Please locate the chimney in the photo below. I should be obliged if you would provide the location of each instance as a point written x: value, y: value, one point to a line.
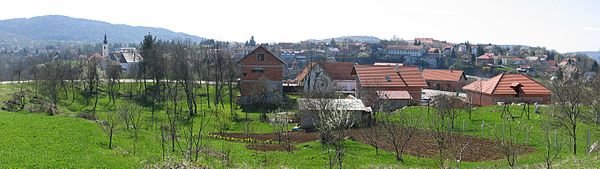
x: 397, y: 69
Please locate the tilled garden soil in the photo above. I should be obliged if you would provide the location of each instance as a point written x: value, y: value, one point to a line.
x: 422, y: 144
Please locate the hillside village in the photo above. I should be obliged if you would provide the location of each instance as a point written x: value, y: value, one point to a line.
x: 349, y: 102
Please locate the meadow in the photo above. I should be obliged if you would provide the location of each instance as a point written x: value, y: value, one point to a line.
x: 39, y: 140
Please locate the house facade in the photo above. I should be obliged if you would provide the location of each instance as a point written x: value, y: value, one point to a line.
x: 485, y: 59
x: 262, y: 74
x: 330, y: 76
x: 447, y: 80
x: 513, y: 88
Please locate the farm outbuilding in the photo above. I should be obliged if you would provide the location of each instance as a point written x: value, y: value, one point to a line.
x: 311, y: 107
x: 511, y: 88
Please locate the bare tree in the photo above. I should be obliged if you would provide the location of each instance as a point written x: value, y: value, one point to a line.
x: 568, y: 99
x: 553, y: 144
x: 113, y: 73
x: 109, y: 124
x: 332, y: 121
x: 506, y: 141
x: 399, y: 132
x: 131, y: 115
x: 371, y: 136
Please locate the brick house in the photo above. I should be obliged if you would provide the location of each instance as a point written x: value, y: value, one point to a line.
x: 262, y: 74
x: 514, y: 88
x: 448, y: 80
x: 399, y: 85
x: 485, y: 59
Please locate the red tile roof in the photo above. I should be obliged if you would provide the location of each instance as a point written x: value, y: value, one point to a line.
x: 338, y: 70
x: 387, y: 76
x: 442, y: 75
x: 517, y: 59
x: 487, y: 56
x: 501, y: 85
x: 305, y: 71
x: 394, y: 95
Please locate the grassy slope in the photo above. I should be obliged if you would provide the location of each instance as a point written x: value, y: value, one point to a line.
x: 63, y: 141
x: 41, y: 141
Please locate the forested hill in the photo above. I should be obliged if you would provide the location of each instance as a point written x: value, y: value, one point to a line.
x: 64, y: 28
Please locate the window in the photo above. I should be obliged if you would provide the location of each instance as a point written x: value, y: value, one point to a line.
x: 258, y: 70
x: 260, y: 57
x: 388, y: 78
x: 244, y: 74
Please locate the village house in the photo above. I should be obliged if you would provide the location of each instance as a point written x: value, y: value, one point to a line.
x: 406, y: 50
x: 396, y: 85
x: 309, y: 108
x: 262, y: 74
x: 329, y: 76
x: 448, y: 80
x: 512, y: 88
x: 128, y: 58
x: 486, y: 59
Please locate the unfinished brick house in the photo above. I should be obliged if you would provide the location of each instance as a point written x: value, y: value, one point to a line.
x: 447, y: 80
x: 513, y: 88
x: 262, y: 76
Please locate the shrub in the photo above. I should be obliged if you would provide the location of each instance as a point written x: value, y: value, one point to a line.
x: 87, y: 115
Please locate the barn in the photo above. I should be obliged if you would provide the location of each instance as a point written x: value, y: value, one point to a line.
x: 513, y: 88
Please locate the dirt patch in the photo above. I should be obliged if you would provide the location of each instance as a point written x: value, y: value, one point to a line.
x: 422, y: 144
x: 271, y: 147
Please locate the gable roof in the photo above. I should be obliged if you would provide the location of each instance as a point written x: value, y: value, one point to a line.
x: 442, y: 75
x: 263, y: 48
x: 305, y: 71
x: 338, y: 70
x: 501, y: 85
x: 487, y: 56
x: 388, y: 76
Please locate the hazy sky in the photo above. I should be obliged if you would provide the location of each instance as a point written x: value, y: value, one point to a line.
x: 564, y: 25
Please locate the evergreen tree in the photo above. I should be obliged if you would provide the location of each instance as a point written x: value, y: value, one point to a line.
x: 594, y: 67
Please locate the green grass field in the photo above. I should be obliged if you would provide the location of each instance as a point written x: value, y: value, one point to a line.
x: 37, y: 140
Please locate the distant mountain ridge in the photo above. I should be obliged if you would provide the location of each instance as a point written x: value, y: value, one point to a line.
x: 365, y: 39
x: 64, y: 28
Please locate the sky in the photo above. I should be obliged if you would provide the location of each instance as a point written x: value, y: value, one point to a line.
x: 564, y: 25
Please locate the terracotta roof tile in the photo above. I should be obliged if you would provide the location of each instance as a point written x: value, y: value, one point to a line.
x: 338, y: 70
x: 394, y: 95
x: 305, y: 71
x: 487, y: 56
x: 501, y: 85
x: 442, y: 75
x: 387, y: 76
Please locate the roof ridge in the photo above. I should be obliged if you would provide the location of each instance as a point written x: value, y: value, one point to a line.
x: 401, y: 78
x: 498, y: 82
